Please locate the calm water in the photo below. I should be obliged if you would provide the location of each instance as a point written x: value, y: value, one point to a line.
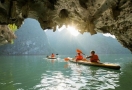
x: 39, y: 73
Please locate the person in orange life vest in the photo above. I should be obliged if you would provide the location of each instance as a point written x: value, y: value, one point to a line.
x: 79, y: 57
x: 52, y: 55
x: 94, y: 57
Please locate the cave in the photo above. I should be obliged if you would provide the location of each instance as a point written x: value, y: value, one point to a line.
x: 104, y: 16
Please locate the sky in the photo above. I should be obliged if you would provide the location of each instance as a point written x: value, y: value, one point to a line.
x: 73, y: 31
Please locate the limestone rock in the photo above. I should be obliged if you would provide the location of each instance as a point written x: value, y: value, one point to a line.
x: 106, y: 16
x: 6, y: 35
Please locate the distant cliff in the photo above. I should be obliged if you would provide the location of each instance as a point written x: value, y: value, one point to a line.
x: 65, y: 43
x: 31, y: 40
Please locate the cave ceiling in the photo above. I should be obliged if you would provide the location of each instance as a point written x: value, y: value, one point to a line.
x: 104, y: 16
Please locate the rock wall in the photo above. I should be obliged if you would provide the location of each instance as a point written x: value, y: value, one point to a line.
x: 106, y: 16
x: 6, y: 35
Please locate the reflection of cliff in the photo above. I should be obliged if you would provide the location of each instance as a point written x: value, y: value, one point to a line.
x: 6, y: 74
x: 31, y: 40
x: 65, y: 43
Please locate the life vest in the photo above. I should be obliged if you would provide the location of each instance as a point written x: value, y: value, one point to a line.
x: 52, y: 55
x: 94, y: 58
x: 79, y: 57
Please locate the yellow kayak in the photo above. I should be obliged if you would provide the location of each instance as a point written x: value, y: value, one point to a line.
x: 105, y: 65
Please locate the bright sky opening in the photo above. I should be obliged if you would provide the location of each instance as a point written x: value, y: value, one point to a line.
x: 73, y: 30
x: 62, y: 28
x: 109, y: 35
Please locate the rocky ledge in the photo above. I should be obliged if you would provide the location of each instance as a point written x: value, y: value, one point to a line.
x: 106, y: 16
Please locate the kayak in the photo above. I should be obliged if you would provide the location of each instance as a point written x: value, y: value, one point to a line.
x: 51, y: 57
x: 105, y: 65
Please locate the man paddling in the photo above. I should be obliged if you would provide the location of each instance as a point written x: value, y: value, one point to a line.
x: 93, y: 57
x: 52, y: 55
x: 79, y: 57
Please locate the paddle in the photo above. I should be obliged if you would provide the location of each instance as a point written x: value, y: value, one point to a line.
x: 79, y: 51
x: 67, y: 59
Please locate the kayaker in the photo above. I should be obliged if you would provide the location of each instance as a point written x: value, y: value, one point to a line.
x: 79, y: 57
x: 52, y: 55
x: 93, y: 57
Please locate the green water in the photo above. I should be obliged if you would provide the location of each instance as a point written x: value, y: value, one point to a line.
x: 39, y: 73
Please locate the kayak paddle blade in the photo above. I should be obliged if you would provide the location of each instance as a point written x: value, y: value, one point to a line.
x: 79, y: 51
x: 66, y: 59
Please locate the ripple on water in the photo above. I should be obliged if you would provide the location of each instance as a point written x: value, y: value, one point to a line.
x: 37, y: 74
x: 95, y: 78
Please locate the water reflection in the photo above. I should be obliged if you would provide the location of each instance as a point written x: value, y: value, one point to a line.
x: 78, y: 77
x: 125, y: 77
x: 94, y: 78
x: 38, y: 73
x: 56, y: 81
x: 52, y: 60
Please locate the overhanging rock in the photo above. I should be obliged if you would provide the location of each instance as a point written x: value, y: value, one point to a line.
x: 106, y: 16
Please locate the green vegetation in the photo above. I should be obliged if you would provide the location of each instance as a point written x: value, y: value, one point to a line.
x: 12, y: 27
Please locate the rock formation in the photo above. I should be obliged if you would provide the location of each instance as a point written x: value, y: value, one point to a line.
x: 6, y: 35
x: 106, y: 16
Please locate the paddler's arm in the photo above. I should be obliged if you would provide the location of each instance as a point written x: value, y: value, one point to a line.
x: 88, y: 56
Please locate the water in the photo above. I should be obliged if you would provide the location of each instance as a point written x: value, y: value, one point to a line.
x: 39, y: 73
